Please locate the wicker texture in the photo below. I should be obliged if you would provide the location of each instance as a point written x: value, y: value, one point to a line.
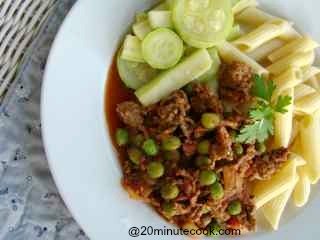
x: 19, y: 22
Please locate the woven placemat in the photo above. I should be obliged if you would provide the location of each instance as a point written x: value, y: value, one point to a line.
x: 19, y: 22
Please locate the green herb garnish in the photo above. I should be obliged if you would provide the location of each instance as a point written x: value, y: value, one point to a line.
x: 262, y: 115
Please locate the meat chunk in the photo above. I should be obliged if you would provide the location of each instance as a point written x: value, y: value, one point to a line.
x: 204, y: 100
x: 131, y: 114
x: 222, y: 148
x: 235, y: 83
x: 169, y: 113
x: 266, y: 165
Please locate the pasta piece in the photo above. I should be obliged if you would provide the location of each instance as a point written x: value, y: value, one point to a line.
x: 310, y: 145
x: 288, y: 79
x: 302, y: 90
x: 264, y: 191
x: 299, y: 160
x: 283, y: 124
x: 242, y: 5
x: 308, y: 104
x: 302, y: 189
x: 295, y: 131
x: 261, y: 35
x: 290, y: 34
x: 230, y: 53
x: 253, y: 16
x: 264, y: 50
x: 304, y: 44
x: 314, y: 83
x: 273, y: 209
x: 294, y: 60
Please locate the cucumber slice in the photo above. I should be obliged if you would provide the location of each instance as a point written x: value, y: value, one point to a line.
x: 141, y: 29
x: 213, y: 71
x: 159, y: 19
x: 162, y: 48
x: 175, y: 78
x: 134, y: 74
x: 202, y: 23
x: 141, y: 16
x: 131, y: 49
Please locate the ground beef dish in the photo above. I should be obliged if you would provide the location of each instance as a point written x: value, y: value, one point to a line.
x: 191, y: 174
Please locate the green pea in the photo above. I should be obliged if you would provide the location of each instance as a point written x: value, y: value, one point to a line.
x: 235, y: 208
x: 172, y: 155
x: 204, y: 147
x: 169, y: 191
x: 213, y: 229
x: 169, y: 209
x: 122, y: 136
x: 155, y: 170
x: 202, y: 161
x: 135, y: 155
x: 207, y: 177
x: 150, y: 147
x: 238, y: 149
x: 171, y: 143
x: 261, y: 147
x: 137, y: 140
x: 210, y: 120
x: 216, y: 190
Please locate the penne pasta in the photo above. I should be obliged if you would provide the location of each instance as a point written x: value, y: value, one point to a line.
x: 307, y: 104
x: 294, y: 60
x: 254, y: 16
x: 242, y: 5
x: 264, y: 33
x: 274, y: 209
x: 310, y: 145
x: 299, y: 160
x: 302, y: 189
x: 230, y: 53
x: 290, y: 34
x: 264, y: 191
x: 264, y: 50
x: 288, y: 79
x: 283, y: 123
x: 302, y: 90
x: 295, y: 131
x: 304, y: 44
x: 314, y: 83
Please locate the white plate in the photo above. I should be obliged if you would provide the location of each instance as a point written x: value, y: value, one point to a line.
x: 77, y: 143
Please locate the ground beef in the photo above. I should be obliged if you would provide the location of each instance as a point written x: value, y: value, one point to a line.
x: 235, y: 121
x: 131, y: 114
x: 169, y: 114
x: 266, y: 165
x: 189, y: 148
x: 222, y: 146
x: 235, y: 83
x: 204, y: 100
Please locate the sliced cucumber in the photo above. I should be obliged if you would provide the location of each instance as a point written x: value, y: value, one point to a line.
x: 141, y: 16
x: 162, y: 48
x: 159, y: 19
x: 141, y: 29
x: 131, y: 49
x: 175, y: 78
x: 202, y: 23
x: 212, y: 72
x: 134, y: 74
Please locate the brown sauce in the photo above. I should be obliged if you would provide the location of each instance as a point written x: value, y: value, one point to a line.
x: 115, y: 93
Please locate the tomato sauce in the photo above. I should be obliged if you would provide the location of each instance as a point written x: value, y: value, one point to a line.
x: 115, y: 93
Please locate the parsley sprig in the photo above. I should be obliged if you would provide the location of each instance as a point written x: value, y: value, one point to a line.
x: 262, y: 115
